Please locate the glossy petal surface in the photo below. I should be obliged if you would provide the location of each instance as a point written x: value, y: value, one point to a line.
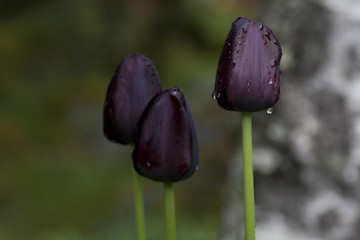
x: 134, y: 84
x: 167, y: 147
x: 248, y: 72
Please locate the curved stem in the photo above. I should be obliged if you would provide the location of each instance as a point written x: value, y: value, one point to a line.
x: 170, y: 224
x: 249, y: 201
x: 139, y: 207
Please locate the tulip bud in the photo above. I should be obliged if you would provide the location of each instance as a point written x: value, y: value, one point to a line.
x: 248, y: 72
x: 167, y: 147
x: 134, y: 84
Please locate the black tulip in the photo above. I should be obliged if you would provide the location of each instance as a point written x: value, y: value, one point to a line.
x: 134, y: 84
x: 248, y: 72
x: 167, y: 147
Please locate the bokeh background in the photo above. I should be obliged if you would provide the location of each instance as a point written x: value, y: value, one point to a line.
x: 60, y: 179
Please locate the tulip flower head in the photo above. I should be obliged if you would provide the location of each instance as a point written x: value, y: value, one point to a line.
x: 134, y: 84
x: 248, y: 72
x: 167, y: 148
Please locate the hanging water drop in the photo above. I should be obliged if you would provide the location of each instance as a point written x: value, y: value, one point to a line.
x: 214, y: 95
x: 270, y: 110
x: 148, y: 164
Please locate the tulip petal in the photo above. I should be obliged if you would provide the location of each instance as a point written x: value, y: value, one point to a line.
x: 134, y: 84
x: 248, y: 75
x: 167, y: 147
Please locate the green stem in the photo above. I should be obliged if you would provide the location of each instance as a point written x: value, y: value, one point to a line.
x: 249, y: 201
x: 139, y: 207
x: 170, y: 224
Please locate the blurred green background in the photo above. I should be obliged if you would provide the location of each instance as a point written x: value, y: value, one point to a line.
x: 60, y: 179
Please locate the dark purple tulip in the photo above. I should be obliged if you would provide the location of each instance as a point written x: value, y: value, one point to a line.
x: 167, y: 147
x: 134, y: 84
x: 247, y: 77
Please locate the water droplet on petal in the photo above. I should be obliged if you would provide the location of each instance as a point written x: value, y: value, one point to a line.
x: 267, y: 35
x: 244, y: 30
x: 228, y: 44
x: 248, y: 88
x: 273, y: 63
x: 214, y: 95
x: 148, y: 164
x: 234, y: 64
x: 270, y: 81
x: 261, y: 27
x: 270, y: 110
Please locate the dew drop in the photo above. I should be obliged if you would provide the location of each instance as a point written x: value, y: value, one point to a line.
x: 214, y: 95
x: 261, y: 27
x: 197, y: 168
x: 234, y: 64
x: 230, y: 52
x: 148, y: 164
x: 275, y: 42
x: 273, y: 63
x: 228, y: 44
x: 238, y: 50
x: 270, y: 81
x: 267, y: 35
x: 248, y: 88
x: 270, y: 110
x: 244, y: 30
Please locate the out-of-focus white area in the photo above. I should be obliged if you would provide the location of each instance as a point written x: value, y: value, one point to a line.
x: 277, y: 228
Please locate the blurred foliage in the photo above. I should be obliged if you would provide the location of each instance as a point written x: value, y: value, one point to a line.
x: 60, y: 179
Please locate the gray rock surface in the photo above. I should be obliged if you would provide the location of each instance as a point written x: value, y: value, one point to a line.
x: 307, y: 153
